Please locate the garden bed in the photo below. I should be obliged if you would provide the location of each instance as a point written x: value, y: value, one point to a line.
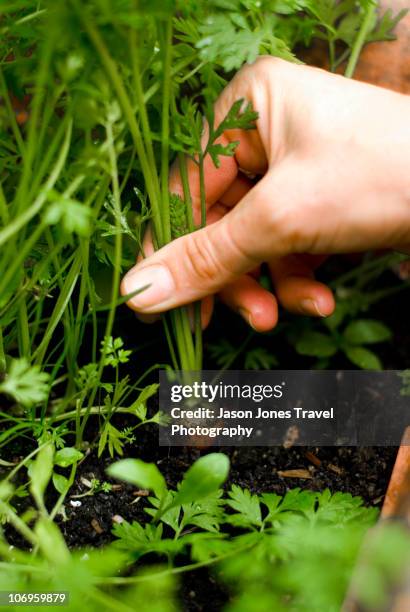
x: 88, y: 519
x: 98, y: 99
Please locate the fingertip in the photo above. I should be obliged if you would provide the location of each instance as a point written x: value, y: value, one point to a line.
x: 261, y: 317
x: 257, y: 306
x: 261, y: 313
x: 320, y: 302
x: 303, y: 295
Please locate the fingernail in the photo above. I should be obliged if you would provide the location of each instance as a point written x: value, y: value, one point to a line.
x: 245, y: 314
x: 159, y: 287
x: 310, y: 306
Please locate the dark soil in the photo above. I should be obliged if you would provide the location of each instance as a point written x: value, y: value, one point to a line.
x: 359, y: 471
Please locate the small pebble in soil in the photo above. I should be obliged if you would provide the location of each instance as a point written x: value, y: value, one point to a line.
x: 96, y: 526
x: 117, y: 518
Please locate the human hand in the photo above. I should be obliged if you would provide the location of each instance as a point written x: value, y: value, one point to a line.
x: 333, y: 155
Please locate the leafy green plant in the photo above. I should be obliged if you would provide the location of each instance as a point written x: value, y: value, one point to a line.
x: 349, y: 330
x: 267, y: 548
x: 352, y: 341
x: 112, y: 93
x: 26, y: 384
x: 225, y: 354
x: 264, y: 545
x: 93, y: 486
x: 118, y: 93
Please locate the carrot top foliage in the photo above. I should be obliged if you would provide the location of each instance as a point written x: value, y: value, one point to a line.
x: 112, y: 92
x: 98, y: 98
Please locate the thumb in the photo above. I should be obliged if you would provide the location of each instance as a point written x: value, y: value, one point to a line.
x: 203, y: 262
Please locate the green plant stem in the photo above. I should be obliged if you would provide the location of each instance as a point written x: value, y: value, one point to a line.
x: 23, y: 330
x: 155, y: 87
x: 118, y: 237
x: 166, y: 95
x: 378, y: 263
x: 191, y: 226
x: 42, y: 76
x: 12, y: 270
x: 21, y: 220
x: 63, y: 495
x: 78, y: 322
x: 113, y: 74
x: 53, y: 148
x: 49, y: 109
x: 180, y: 338
x: 60, y: 307
x: 31, y: 16
x: 183, y: 63
x: 376, y: 296
x: 193, y: 71
x: 116, y: 273
x: 128, y: 171
x: 361, y: 39
x: 29, y: 286
x: 24, y: 461
x: 343, y: 57
x: 95, y: 411
x: 202, y: 189
x: 181, y: 323
x: 2, y: 353
x: 18, y: 524
x: 332, y: 54
x: 141, y: 105
x: 186, y: 350
x: 198, y: 336
x: 100, y: 198
x: 174, y: 570
x: 4, y: 209
x: 11, y: 114
x: 108, y: 603
x: 186, y: 326
x: 182, y: 160
x: 20, y: 567
x: 170, y: 342
x: 235, y: 355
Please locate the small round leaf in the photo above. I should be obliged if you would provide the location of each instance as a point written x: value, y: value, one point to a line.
x: 67, y: 456
x: 363, y: 358
x: 316, y: 344
x: 139, y: 473
x: 366, y: 331
x: 204, y: 477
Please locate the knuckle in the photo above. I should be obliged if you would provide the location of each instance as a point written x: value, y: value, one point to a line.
x: 263, y: 61
x: 288, y: 226
x: 266, y: 64
x: 261, y: 65
x: 201, y: 259
x: 242, y: 259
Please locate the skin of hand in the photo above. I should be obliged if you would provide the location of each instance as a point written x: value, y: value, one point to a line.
x: 333, y: 157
